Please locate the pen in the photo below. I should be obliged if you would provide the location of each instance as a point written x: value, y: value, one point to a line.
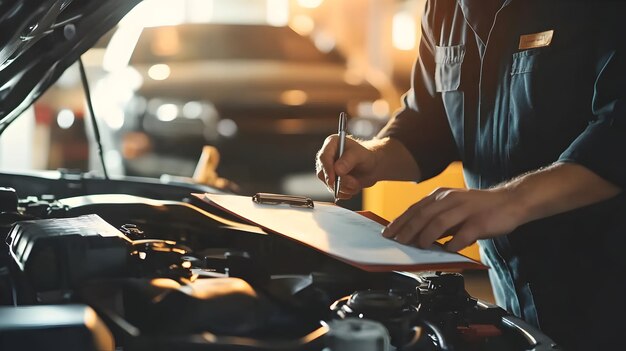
x: 342, y: 143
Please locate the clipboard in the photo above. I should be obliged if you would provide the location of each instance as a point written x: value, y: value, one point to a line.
x: 340, y: 233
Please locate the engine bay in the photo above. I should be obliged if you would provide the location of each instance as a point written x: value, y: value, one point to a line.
x: 164, y: 274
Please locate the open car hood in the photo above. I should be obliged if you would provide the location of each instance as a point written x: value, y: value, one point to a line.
x: 40, y: 39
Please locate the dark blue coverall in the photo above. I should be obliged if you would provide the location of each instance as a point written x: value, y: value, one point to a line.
x: 505, y: 108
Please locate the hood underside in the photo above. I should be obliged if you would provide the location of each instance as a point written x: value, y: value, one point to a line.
x: 40, y: 39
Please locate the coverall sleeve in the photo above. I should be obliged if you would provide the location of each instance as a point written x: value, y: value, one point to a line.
x: 421, y: 123
x: 601, y: 147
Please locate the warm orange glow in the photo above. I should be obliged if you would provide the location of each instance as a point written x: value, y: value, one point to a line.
x: 166, y: 42
x: 165, y: 283
x: 90, y: 317
x: 380, y: 108
x: 135, y: 144
x: 209, y: 337
x: 293, y: 97
x: 353, y: 77
x: 291, y: 126
x: 206, y: 288
x: 302, y: 24
x: 102, y: 335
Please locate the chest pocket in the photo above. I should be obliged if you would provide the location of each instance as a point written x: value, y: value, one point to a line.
x: 524, y: 82
x: 524, y: 61
x: 448, y: 61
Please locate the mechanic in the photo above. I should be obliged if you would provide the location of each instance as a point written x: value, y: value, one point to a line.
x: 531, y: 96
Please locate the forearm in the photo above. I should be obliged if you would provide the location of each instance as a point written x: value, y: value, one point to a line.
x: 470, y: 214
x: 393, y: 160
x: 556, y: 189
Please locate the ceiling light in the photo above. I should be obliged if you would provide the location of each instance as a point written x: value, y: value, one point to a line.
x: 277, y: 13
x: 121, y: 47
x: 65, y: 119
x: 227, y: 128
x: 324, y: 42
x: 192, y: 109
x: 156, y: 13
x: 159, y: 71
x: 403, y: 31
x: 167, y: 112
x: 200, y: 11
x: 114, y: 117
x: 310, y: 4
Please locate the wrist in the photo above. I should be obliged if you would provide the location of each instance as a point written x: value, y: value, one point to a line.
x: 377, y: 156
x: 392, y: 160
x: 517, y: 203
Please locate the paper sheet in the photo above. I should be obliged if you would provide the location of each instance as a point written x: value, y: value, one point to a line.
x: 337, y: 231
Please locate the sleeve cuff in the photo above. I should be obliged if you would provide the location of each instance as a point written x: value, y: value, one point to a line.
x: 429, y: 140
x: 602, y: 149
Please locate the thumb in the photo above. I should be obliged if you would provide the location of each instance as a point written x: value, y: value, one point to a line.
x: 353, y: 156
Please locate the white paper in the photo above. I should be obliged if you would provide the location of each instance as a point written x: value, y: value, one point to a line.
x: 335, y: 230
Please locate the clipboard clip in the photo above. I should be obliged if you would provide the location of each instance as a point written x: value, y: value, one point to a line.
x: 277, y: 199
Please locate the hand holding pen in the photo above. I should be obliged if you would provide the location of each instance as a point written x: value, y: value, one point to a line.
x: 344, y: 164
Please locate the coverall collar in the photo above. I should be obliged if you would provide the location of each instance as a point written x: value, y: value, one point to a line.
x: 480, y: 15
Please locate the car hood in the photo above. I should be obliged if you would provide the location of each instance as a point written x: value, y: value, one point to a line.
x: 40, y: 39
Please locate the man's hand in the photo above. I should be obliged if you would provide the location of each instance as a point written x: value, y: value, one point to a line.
x: 356, y: 167
x: 468, y: 215
x: 363, y: 163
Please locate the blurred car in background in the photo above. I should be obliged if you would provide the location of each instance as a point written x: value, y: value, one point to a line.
x: 265, y: 96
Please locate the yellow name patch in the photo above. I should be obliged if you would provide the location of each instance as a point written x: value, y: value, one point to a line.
x: 536, y: 40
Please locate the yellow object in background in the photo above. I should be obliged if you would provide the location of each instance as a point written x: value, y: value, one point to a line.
x: 389, y: 199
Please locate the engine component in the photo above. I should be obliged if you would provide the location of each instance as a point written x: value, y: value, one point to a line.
x: 57, y: 254
x: 444, y: 292
x: 45, y: 206
x: 228, y: 306
x: 355, y: 334
x: 160, y: 258
x: 133, y: 232
x: 8, y: 200
x: 444, y: 300
x: 392, y: 309
x: 54, y: 328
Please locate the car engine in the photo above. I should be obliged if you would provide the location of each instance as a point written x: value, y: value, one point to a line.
x: 107, y: 271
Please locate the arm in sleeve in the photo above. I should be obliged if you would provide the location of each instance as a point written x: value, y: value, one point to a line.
x: 601, y: 147
x: 421, y: 124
